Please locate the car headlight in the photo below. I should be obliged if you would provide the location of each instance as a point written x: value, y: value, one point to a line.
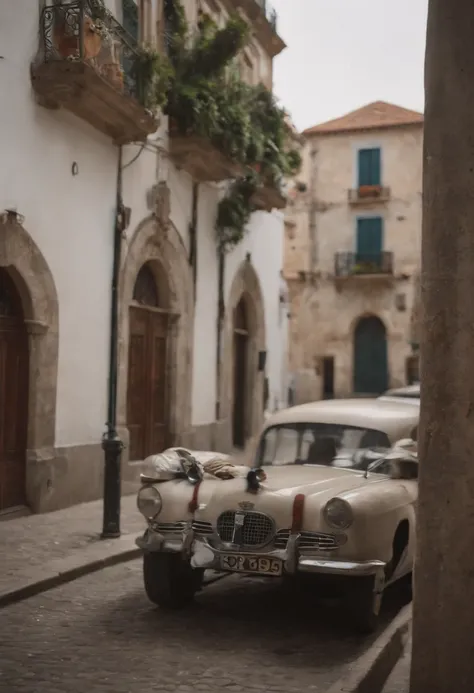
x: 338, y: 514
x: 149, y: 502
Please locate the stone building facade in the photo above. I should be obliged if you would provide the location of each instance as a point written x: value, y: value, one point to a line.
x: 352, y: 252
x: 65, y: 144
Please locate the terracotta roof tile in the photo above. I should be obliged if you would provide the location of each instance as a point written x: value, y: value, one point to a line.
x: 374, y: 116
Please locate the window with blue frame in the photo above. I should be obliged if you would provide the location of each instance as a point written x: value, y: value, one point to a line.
x: 369, y: 172
x: 369, y: 243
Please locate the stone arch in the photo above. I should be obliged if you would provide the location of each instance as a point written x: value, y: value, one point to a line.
x: 164, y: 253
x: 245, y: 286
x: 28, y: 268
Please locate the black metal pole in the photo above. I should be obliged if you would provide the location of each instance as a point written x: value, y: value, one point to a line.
x: 220, y: 319
x: 111, y: 443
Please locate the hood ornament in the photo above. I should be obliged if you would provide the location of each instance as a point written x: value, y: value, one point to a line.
x: 246, y: 505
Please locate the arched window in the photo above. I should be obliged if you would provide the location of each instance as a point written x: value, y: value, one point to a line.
x: 145, y: 291
x: 240, y: 316
x: 10, y: 302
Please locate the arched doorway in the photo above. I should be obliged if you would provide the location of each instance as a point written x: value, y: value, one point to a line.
x: 147, y: 392
x: 14, y: 371
x: 241, y: 340
x: 370, y: 356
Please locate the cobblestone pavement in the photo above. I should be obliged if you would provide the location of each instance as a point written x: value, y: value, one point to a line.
x: 100, y: 634
x: 28, y: 543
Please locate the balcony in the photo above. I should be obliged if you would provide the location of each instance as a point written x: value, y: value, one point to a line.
x: 199, y: 158
x: 368, y: 195
x: 85, y: 65
x: 363, y: 265
x: 269, y: 196
x: 265, y: 21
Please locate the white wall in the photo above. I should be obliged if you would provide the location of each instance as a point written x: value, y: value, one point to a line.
x: 264, y: 242
x: 71, y: 219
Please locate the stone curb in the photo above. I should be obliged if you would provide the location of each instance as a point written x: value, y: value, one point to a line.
x: 369, y: 673
x: 96, y: 557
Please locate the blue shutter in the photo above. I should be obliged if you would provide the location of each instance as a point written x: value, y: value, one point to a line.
x: 369, y: 167
x: 369, y: 240
x: 375, y: 167
x: 364, y: 166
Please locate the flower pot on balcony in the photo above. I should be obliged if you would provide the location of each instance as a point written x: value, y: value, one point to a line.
x: 92, y: 40
x: 67, y: 42
x: 369, y: 190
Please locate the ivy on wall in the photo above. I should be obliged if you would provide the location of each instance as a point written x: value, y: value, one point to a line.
x: 200, y: 90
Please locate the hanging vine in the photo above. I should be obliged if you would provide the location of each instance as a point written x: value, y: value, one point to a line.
x: 206, y: 97
x: 233, y: 212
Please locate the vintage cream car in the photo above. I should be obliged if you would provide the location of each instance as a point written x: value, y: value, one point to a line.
x: 326, y: 499
x: 409, y: 393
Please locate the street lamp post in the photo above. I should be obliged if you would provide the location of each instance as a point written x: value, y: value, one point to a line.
x: 111, y: 442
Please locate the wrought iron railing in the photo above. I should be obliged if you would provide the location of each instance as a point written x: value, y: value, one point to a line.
x: 350, y: 264
x: 75, y: 31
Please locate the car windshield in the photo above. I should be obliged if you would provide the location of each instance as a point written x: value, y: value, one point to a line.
x: 333, y: 445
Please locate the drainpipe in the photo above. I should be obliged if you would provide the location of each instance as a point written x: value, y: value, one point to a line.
x: 193, y: 251
x: 220, y: 321
x: 111, y: 442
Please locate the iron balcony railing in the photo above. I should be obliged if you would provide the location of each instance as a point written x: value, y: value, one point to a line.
x: 81, y: 31
x: 360, y: 264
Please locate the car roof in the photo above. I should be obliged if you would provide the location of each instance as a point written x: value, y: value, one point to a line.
x: 412, y: 391
x: 396, y: 418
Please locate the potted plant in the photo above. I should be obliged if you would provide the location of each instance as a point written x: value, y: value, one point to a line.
x: 66, y: 38
x: 369, y: 190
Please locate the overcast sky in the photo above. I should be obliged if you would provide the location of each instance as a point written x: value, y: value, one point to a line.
x: 343, y: 54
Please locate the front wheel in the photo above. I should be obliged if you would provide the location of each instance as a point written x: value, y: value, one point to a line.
x: 364, y: 604
x: 169, y: 580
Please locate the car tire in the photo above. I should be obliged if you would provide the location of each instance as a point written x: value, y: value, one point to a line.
x: 364, y: 605
x: 169, y: 580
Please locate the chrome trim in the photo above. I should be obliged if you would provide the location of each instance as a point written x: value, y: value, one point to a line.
x: 293, y: 561
x: 244, y: 514
x: 317, y: 565
x: 203, y: 528
x: 311, y: 541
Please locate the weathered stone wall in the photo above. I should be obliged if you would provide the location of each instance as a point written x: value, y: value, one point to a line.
x: 321, y: 223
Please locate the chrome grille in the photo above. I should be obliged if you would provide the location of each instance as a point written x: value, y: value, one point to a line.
x: 316, y: 541
x: 169, y: 527
x: 257, y: 529
x: 203, y: 528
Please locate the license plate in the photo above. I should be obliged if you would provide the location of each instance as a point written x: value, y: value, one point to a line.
x: 252, y: 564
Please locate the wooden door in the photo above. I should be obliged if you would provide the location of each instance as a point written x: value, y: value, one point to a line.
x: 147, y: 397
x: 14, y: 371
x: 370, y: 357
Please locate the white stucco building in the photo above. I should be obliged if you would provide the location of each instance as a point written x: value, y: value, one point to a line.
x: 352, y: 253
x: 186, y: 375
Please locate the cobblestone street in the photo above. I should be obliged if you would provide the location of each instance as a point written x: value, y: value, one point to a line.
x: 100, y: 634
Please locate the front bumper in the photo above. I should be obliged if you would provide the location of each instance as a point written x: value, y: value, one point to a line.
x: 203, y: 555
